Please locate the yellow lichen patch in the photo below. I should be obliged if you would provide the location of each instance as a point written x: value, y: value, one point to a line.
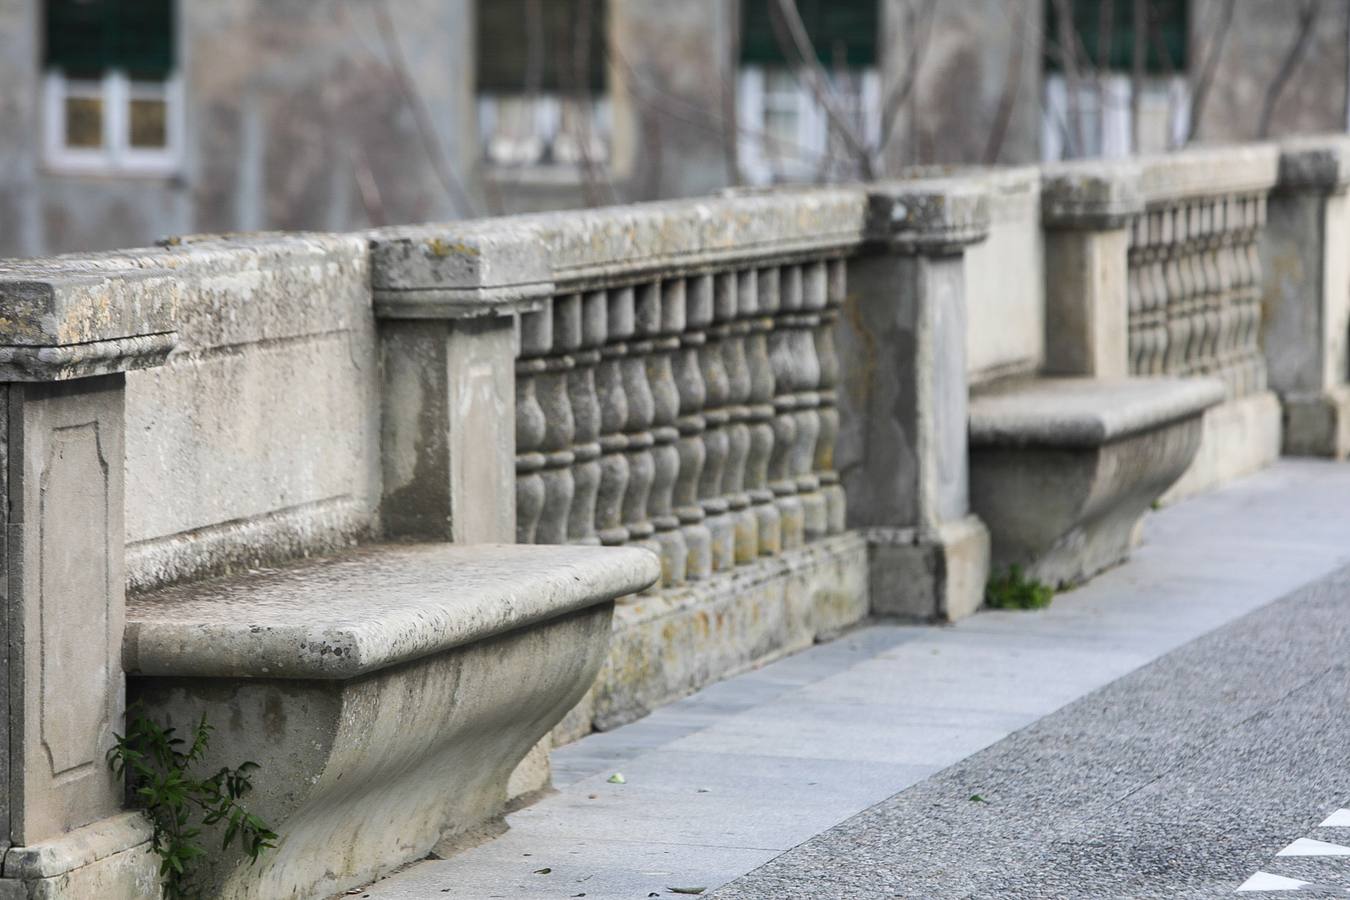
x: 441, y: 248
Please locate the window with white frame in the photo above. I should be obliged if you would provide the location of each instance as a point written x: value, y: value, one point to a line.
x: 786, y: 133
x: 542, y: 94
x: 1089, y: 107
x: 112, y: 97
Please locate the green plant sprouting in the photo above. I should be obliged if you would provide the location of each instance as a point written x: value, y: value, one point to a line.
x: 1014, y: 590
x: 160, y: 779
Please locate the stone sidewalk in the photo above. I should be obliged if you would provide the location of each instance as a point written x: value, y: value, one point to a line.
x: 724, y: 781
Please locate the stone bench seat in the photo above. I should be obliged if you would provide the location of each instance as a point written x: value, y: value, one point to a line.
x: 387, y: 693
x: 1063, y: 469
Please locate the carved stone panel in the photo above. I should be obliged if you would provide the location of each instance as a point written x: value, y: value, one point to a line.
x: 66, y: 602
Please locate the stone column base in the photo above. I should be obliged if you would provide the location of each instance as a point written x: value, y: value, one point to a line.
x: 1241, y: 437
x: 110, y: 859
x: 919, y: 578
x: 1318, y: 424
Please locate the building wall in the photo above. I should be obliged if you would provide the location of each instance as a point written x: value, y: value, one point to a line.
x: 296, y: 119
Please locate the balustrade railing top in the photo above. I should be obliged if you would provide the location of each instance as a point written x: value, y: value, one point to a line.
x: 677, y: 388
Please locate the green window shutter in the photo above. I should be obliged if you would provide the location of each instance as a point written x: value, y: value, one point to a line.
x: 843, y: 32
x: 85, y: 38
x: 504, y: 34
x: 144, y: 38
x: 1168, y: 20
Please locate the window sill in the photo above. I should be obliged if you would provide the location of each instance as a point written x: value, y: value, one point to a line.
x: 173, y: 177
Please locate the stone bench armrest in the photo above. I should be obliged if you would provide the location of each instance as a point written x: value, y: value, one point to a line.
x: 1083, y: 412
x: 372, y: 608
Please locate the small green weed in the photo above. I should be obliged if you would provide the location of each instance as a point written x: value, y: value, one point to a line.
x: 1015, y: 591
x: 159, y: 777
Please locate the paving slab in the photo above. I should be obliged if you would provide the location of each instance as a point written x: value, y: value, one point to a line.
x: 730, y: 778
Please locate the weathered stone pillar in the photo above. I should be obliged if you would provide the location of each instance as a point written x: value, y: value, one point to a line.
x: 68, y: 335
x: 902, y: 401
x: 1086, y: 212
x: 446, y: 309
x: 1306, y: 295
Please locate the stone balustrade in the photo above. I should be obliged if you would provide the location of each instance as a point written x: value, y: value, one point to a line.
x: 693, y: 414
x: 1195, y: 268
x: 1153, y: 268
x: 770, y: 391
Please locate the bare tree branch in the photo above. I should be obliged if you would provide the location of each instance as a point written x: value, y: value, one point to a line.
x: 431, y: 140
x: 1138, y: 58
x: 1307, y: 18
x: 818, y: 81
x: 904, y: 89
x: 730, y: 145
x: 1068, y: 41
x: 1205, y: 73
x: 1106, y: 20
x: 1012, y: 82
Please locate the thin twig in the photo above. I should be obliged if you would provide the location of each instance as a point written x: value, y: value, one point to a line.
x: 818, y: 81
x: 1008, y: 100
x: 1068, y: 40
x: 431, y: 141
x: 1205, y: 77
x: 1307, y: 18
x: 901, y: 93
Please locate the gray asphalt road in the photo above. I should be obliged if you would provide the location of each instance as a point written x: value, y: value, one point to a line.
x: 1186, y: 778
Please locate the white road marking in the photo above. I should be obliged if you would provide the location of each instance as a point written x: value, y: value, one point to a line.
x: 1339, y: 819
x: 1264, y: 881
x: 1310, y: 847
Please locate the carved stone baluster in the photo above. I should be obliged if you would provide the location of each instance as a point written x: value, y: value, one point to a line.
x: 1254, y: 217
x: 666, y: 409
x: 1219, y: 318
x: 762, y: 435
x: 1137, y: 318
x: 1179, y: 292
x: 1228, y: 284
x: 534, y: 340
x: 815, y: 281
x: 641, y: 412
x: 613, y: 417
x: 716, y: 442
x: 691, y: 425
x: 782, y: 356
x: 1236, y: 238
x: 559, y: 427
x: 739, y: 299
x: 581, y: 388
x: 835, y: 505
x: 1168, y: 304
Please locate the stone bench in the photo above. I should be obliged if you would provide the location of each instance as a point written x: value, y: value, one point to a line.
x: 387, y: 694
x: 1063, y: 469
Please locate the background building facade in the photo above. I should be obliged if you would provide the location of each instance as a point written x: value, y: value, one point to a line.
x: 124, y: 122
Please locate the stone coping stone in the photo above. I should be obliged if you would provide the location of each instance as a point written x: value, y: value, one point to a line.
x: 1319, y: 162
x: 1209, y: 171
x: 86, y: 298
x: 345, y: 616
x: 1083, y: 412
x: 593, y: 248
